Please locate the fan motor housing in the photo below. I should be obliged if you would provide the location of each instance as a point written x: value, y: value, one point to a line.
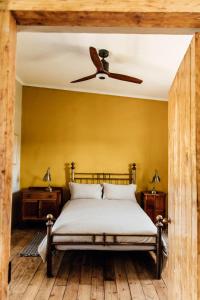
x: 103, y: 53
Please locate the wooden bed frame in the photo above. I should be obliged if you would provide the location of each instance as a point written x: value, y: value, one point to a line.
x: 122, y: 178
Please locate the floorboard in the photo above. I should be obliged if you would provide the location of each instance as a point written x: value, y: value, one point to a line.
x: 84, y: 275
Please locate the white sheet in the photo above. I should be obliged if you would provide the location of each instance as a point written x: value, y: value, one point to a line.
x: 106, y: 216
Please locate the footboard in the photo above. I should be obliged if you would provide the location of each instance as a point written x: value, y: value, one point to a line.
x: 104, y: 239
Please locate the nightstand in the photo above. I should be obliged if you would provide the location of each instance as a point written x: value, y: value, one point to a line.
x: 38, y: 202
x: 154, y: 204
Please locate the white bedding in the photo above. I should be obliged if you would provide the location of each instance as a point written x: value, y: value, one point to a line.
x: 106, y: 216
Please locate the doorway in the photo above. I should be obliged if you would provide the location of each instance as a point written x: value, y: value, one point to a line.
x: 192, y: 169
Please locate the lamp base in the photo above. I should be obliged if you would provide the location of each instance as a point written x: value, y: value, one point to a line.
x: 49, y: 189
x: 153, y: 191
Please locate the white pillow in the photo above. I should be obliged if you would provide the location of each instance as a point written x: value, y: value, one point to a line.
x: 119, y: 192
x: 85, y: 191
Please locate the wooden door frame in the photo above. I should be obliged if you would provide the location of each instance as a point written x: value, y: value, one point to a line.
x: 127, y: 14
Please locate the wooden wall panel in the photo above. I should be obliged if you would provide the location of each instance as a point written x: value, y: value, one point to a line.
x: 184, y: 162
x: 196, y: 107
x: 7, y: 88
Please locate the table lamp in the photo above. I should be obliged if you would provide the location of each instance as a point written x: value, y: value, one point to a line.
x: 47, y: 178
x: 155, y: 180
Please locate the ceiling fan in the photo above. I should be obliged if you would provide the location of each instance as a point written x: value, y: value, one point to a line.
x: 102, y: 67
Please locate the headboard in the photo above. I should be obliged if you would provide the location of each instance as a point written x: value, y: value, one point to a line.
x: 116, y: 178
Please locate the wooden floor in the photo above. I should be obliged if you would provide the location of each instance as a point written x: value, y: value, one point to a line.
x: 81, y: 275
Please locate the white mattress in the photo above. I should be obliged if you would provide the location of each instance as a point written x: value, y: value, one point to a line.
x: 102, y: 216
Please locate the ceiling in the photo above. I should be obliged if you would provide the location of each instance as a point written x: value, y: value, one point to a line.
x: 52, y: 60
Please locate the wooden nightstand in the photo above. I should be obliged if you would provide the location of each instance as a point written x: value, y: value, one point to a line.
x: 38, y: 202
x: 154, y: 204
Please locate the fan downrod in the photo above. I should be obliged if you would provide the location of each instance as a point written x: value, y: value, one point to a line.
x: 103, y: 53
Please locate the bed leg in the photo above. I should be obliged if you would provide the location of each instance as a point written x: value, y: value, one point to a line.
x: 159, y: 226
x: 49, y: 245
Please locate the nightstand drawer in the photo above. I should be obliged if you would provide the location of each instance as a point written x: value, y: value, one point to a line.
x: 40, y: 196
x: 149, y: 197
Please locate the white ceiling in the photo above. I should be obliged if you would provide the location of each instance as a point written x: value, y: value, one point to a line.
x: 54, y: 59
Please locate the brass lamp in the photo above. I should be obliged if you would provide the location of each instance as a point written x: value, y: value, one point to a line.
x: 155, y: 180
x: 47, y: 178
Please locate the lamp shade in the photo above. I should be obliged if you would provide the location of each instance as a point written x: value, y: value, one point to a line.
x: 47, y: 176
x: 156, y: 177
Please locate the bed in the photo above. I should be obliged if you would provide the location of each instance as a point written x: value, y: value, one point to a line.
x: 94, y: 223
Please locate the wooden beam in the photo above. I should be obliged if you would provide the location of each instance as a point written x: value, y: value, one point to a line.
x: 141, y: 6
x: 7, y: 97
x: 105, y: 13
x: 108, y: 19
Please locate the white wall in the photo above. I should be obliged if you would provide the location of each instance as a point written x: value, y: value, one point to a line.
x: 17, y: 138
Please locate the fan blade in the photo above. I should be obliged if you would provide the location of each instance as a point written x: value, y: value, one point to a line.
x: 84, y: 78
x: 95, y: 59
x: 124, y: 78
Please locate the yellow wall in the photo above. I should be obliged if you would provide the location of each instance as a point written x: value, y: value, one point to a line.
x: 98, y: 132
